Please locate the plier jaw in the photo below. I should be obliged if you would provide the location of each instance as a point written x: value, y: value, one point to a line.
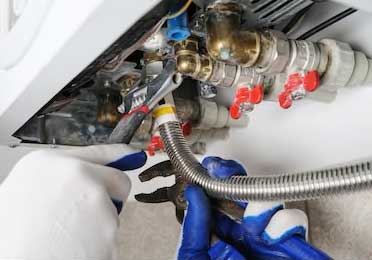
x: 174, y: 193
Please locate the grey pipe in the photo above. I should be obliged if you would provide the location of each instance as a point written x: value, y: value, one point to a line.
x: 285, y: 187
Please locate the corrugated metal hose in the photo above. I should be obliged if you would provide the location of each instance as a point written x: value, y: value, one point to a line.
x: 284, y: 187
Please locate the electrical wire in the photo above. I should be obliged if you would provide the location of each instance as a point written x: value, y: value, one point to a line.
x: 114, y: 64
x: 327, y: 23
x: 118, y: 60
x: 181, y: 10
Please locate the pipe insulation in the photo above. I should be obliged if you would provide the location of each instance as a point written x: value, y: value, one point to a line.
x: 284, y: 187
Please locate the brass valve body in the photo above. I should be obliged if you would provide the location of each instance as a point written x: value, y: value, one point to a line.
x: 226, y: 41
x: 190, y: 62
x: 204, y: 68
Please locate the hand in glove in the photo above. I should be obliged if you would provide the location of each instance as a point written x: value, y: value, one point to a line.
x: 65, y: 204
x: 267, y: 231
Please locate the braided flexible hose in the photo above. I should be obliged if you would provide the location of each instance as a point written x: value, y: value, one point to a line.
x: 285, y: 187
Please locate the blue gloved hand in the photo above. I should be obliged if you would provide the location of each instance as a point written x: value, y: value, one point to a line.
x: 267, y: 230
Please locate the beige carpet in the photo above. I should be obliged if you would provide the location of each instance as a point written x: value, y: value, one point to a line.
x: 340, y: 226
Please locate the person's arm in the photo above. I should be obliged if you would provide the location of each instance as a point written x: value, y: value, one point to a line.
x: 65, y: 204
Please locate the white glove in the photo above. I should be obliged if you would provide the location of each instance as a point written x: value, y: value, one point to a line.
x: 59, y: 204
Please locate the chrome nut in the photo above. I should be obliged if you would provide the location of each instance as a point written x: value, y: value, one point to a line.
x: 249, y: 77
x: 305, y: 56
x: 207, y: 91
x: 279, y: 56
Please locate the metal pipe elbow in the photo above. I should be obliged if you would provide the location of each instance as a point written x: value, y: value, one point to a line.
x: 226, y: 41
x: 190, y: 62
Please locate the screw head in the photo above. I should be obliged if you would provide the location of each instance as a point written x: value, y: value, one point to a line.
x: 121, y: 109
x: 91, y: 129
x: 107, y: 84
x: 225, y: 53
x: 208, y: 91
x: 298, y: 94
x: 246, y: 107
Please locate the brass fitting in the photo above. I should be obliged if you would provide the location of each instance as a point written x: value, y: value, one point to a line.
x: 153, y: 65
x: 127, y: 82
x: 205, y: 69
x: 149, y: 57
x: 226, y: 41
x: 190, y: 62
x: 108, y: 101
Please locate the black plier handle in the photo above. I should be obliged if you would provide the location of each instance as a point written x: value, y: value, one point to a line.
x: 175, y: 193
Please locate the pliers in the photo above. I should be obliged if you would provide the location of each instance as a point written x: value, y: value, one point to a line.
x: 175, y: 193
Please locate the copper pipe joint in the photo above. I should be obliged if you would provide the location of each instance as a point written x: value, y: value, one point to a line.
x: 190, y: 62
x: 226, y: 41
x: 149, y: 57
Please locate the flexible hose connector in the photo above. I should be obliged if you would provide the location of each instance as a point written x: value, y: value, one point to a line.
x: 285, y: 187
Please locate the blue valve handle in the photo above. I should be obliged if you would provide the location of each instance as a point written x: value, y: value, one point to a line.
x: 178, y: 27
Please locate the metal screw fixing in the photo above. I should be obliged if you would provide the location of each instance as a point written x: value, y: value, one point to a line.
x: 225, y: 53
x: 207, y: 91
x: 298, y: 94
x: 246, y: 107
x: 121, y: 109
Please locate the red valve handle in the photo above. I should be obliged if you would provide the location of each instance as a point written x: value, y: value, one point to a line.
x: 293, y: 83
x: 155, y: 144
x: 310, y: 82
x: 235, y: 111
x: 285, y: 100
x: 246, y: 95
x: 186, y: 128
